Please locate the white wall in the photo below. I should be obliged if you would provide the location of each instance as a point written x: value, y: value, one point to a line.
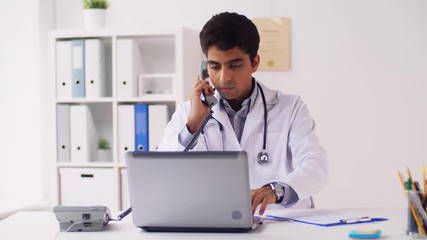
x: 22, y: 69
x: 20, y: 125
x: 359, y: 65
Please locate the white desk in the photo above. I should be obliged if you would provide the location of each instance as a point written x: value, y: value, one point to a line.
x: 43, y: 225
x: 10, y: 206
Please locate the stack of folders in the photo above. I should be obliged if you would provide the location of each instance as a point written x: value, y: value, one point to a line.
x: 76, y: 134
x: 417, y: 203
x: 80, y: 68
x: 140, y: 127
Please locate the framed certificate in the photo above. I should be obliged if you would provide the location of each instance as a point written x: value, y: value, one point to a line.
x: 274, y: 48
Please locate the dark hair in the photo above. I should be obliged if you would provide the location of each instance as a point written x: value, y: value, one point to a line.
x: 229, y: 30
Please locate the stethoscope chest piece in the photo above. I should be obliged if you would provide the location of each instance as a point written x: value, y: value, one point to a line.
x: 263, y: 157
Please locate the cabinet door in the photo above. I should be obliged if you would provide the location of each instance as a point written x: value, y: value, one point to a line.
x: 87, y: 186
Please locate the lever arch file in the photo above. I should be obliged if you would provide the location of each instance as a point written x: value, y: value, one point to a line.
x: 78, y: 68
x: 63, y: 69
x: 141, y: 127
x: 95, y: 68
x: 128, y: 67
x: 126, y: 130
x: 157, y: 121
x: 63, y: 132
x: 83, y: 134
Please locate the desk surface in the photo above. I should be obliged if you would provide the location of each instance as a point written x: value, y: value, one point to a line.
x: 43, y: 225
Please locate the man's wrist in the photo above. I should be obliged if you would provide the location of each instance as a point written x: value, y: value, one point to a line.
x: 278, y: 190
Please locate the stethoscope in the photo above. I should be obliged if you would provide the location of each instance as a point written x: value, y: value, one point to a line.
x: 263, y: 157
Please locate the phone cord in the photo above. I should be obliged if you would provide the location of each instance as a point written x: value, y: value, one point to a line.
x: 197, y: 133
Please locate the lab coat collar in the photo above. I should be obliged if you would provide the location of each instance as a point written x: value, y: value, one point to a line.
x: 270, y: 95
x: 255, y: 119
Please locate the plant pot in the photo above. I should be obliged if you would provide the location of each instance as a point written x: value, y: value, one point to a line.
x: 94, y: 18
x: 104, y: 155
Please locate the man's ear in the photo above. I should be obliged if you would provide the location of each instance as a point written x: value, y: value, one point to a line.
x: 255, y: 63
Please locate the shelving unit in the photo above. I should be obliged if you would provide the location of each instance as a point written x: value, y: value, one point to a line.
x: 166, y: 64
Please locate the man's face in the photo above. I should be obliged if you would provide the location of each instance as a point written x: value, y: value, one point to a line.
x: 231, y: 72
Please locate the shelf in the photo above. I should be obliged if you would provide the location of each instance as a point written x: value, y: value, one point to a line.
x: 85, y: 100
x: 86, y: 165
x: 149, y: 98
x: 104, y: 33
x: 157, y: 75
x: 144, y: 65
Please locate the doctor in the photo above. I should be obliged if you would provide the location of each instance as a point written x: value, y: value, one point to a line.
x: 287, y: 164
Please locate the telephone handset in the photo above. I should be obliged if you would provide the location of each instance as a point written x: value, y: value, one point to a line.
x: 209, y: 100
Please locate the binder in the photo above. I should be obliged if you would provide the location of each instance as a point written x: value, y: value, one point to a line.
x: 141, y: 127
x: 129, y: 65
x: 63, y: 69
x: 157, y: 120
x: 63, y: 132
x: 95, y: 79
x: 78, y: 68
x: 124, y: 189
x: 126, y: 130
x: 83, y: 134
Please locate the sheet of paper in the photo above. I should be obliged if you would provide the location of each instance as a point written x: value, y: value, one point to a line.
x: 319, y: 216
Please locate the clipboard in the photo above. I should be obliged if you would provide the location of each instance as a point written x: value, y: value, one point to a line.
x: 325, y: 219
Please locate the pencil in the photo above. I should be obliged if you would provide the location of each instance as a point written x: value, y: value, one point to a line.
x: 411, y: 206
x: 401, y: 179
x: 423, y: 170
x: 409, y: 173
x: 417, y: 220
x: 410, y: 177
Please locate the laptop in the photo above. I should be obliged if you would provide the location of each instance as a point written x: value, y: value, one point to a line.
x: 190, y: 191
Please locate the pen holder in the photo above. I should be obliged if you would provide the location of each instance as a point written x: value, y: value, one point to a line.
x: 415, y: 226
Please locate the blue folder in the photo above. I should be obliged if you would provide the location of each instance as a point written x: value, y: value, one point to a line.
x: 353, y: 220
x: 141, y: 127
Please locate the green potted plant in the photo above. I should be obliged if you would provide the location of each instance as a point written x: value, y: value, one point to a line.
x: 94, y: 13
x: 104, y: 151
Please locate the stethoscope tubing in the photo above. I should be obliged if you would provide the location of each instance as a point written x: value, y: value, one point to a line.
x: 264, y: 143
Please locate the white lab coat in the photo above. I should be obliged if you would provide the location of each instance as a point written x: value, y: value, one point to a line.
x: 296, y: 156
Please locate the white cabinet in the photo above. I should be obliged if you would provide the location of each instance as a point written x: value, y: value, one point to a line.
x: 87, y: 186
x: 96, y: 78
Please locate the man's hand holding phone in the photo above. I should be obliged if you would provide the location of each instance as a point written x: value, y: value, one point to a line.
x: 202, y: 99
x: 199, y: 110
x: 208, y: 99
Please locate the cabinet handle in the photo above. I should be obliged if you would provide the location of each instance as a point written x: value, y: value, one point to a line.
x: 63, y: 83
x: 92, y: 81
x: 78, y: 148
x: 126, y: 148
x: 78, y: 82
x: 63, y: 146
x: 86, y: 175
x: 124, y: 82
